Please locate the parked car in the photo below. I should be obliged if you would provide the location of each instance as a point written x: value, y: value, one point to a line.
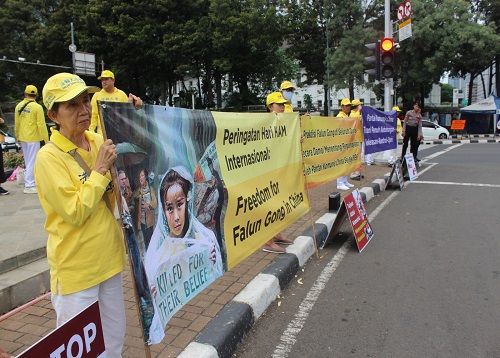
x: 10, y: 144
x: 432, y: 131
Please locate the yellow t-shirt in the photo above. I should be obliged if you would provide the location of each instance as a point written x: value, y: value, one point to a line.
x: 85, y: 245
x: 342, y: 115
x: 288, y: 107
x: 29, y: 125
x: 116, y: 96
x: 355, y: 113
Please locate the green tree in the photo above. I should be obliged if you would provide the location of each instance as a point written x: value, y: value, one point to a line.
x: 446, y: 93
x: 20, y: 21
x: 490, y: 10
x: 246, y: 38
x: 348, y: 26
x: 445, y: 38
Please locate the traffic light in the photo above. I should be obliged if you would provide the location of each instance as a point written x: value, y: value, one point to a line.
x: 375, y: 59
x: 387, y: 58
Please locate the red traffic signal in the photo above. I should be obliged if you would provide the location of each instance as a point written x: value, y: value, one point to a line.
x: 387, y: 44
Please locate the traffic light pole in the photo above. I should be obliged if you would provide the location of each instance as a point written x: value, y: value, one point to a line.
x: 388, y: 83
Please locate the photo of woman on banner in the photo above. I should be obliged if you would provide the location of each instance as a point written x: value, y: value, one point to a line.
x: 135, y: 252
x: 209, y: 210
x: 183, y: 256
x: 146, y: 207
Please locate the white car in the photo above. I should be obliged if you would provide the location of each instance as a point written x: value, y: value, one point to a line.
x: 432, y: 131
x: 10, y: 144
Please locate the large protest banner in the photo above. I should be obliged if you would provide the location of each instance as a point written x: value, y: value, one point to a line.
x: 331, y: 148
x: 200, y: 192
x: 379, y: 129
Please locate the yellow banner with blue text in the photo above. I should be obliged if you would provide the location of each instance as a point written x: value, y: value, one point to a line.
x: 261, y: 163
x: 331, y: 148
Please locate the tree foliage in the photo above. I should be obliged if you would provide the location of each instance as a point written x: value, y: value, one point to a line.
x: 445, y: 38
x: 247, y: 46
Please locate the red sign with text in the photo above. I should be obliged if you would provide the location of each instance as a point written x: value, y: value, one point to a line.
x: 358, y: 217
x: 80, y: 337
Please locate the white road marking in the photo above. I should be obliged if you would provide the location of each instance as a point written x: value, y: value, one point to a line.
x: 453, y: 183
x: 437, y: 154
x: 289, y: 336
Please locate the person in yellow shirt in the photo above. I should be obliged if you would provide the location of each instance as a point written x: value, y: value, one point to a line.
x: 399, y: 126
x: 345, y: 109
x: 111, y: 94
x: 30, y: 129
x: 356, y: 106
x: 286, y: 90
x: 393, y: 156
x: 276, y: 103
x: 85, y: 247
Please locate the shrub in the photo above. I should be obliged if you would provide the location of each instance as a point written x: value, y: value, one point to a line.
x: 13, y: 160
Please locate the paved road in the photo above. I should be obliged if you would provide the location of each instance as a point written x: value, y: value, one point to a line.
x: 428, y: 285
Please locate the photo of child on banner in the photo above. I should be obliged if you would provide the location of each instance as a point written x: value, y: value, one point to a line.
x: 183, y: 256
x: 358, y: 218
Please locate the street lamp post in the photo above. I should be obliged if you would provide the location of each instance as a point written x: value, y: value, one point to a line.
x: 327, y: 70
x: 193, y: 90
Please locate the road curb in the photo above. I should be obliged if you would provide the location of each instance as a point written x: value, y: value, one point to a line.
x: 220, y: 338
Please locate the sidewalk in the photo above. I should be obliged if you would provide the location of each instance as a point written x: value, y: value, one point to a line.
x: 22, y: 236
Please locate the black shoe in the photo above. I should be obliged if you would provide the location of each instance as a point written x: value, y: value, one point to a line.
x: 356, y: 178
x: 3, y: 191
x: 418, y: 160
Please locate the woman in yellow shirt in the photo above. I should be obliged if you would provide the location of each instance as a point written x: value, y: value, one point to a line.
x: 85, y: 247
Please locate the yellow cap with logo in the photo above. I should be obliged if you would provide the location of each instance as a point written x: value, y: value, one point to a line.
x: 106, y: 74
x: 345, y: 102
x: 356, y: 102
x: 396, y: 108
x: 64, y: 87
x: 275, y: 97
x: 286, y: 85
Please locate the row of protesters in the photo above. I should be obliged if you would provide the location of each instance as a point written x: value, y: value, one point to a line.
x: 2, y: 173
x: 111, y: 94
x: 85, y: 247
x: 30, y: 128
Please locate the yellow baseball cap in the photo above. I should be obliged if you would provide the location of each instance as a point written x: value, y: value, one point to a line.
x: 106, y: 74
x: 345, y: 102
x: 275, y: 97
x: 396, y: 108
x: 356, y: 102
x: 30, y: 89
x: 287, y: 85
x: 64, y: 87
